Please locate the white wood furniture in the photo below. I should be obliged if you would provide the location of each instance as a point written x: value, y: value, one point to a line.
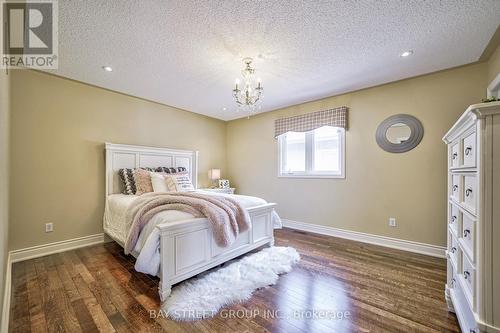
x: 220, y: 190
x: 187, y: 247
x: 473, y: 283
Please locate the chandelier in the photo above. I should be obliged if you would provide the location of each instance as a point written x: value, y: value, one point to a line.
x: 248, y: 97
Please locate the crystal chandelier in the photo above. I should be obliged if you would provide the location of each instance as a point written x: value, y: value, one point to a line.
x: 248, y: 98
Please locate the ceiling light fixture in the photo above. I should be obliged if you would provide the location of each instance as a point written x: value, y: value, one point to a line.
x: 406, y: 53
x: 249, y: 96
x: 107, y: 68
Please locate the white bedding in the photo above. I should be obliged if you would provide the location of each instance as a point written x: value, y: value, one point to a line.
x: 147, y: 247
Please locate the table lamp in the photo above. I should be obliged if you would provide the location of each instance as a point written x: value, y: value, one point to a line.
x: 214, y: 175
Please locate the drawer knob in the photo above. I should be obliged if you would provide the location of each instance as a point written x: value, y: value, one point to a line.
x: 455, y: 188
x: 468, y: 150
x: 453, y: 281
x: 454, y: 156
x: 466, y: 232
x: 453, y: 218
x: 453, y: 249
x: 466, y: 275
x: 468, y: 192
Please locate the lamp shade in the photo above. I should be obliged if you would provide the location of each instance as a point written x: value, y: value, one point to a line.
x: 214, y: 174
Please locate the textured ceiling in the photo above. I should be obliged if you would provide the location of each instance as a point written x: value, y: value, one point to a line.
x: 188, y: 53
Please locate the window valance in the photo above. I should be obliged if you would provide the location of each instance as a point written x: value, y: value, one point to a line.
x: 307, y: 122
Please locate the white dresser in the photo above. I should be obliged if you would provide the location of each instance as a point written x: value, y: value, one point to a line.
x: 473, y: 284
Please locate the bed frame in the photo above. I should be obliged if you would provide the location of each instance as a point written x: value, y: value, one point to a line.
x: 187, y: 247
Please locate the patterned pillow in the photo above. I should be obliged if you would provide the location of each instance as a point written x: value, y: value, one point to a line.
x: 128, y: 181
x: 179, y: 182
x: 142, y: 181
x: 169, y: 169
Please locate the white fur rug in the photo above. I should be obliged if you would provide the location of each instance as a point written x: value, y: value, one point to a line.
x: 204, y: 296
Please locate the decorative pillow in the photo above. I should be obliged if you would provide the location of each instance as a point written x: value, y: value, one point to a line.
x: 127, y: 178
x: 128, y: 181
x: 158, y: 182
x: 169, y: 169
x: 142, y: 180
x: 179, y: 182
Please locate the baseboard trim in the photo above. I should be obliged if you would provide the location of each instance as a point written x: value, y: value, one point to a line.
x: 51, y: 248
x: 395, y: 243
x: 4, y: 324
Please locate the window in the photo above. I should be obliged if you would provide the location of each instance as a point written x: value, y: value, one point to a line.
x: 316, y: 154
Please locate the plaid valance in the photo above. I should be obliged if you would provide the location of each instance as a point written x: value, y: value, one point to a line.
x: 307, y: 122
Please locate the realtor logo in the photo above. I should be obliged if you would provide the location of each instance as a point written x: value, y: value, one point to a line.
x: 29, y: 34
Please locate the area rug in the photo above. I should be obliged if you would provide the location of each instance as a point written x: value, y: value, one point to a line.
x: 204, y: 296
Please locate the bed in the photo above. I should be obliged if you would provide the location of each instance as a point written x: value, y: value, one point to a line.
x: 187, y: 247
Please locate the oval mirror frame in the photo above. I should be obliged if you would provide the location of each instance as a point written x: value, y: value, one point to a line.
x: 417, y: 133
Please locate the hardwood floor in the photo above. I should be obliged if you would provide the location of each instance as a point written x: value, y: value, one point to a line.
x: 376, y: 290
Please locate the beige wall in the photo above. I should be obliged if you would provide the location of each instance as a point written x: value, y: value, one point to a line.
x: 59, y: 127
x: 4, y: 178
x: 58, y: 131
x: 410, y: 187
x: 494, y: 65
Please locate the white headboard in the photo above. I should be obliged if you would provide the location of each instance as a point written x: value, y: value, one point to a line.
x: 126, y: 156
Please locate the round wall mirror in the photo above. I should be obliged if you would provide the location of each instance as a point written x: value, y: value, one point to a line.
x: 399, y: 133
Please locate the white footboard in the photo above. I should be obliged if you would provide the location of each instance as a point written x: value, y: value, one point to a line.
x: 187, y: 248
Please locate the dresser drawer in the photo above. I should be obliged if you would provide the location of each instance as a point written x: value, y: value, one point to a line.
x: 468, y: 279
x: 463, y: 309
x: 452, y: 276
x: 454, y: 155
x: 469, y: 150
x: 468, y: 235
x: 469, y: 192
x: 454, y: 252
x: 456, y: 187
x: 454, y: 219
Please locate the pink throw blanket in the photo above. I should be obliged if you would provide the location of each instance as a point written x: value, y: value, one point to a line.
x: 227, y: 217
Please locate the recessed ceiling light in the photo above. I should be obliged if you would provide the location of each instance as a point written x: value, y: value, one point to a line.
x: 107, y: 68
x: 224, y: 109
x: 406, y: 53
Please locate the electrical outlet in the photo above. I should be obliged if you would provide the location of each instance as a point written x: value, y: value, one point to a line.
x: 49, y: 227
x: 392, y: 222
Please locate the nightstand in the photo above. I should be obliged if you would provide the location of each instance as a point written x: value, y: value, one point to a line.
x: 220, y: 190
